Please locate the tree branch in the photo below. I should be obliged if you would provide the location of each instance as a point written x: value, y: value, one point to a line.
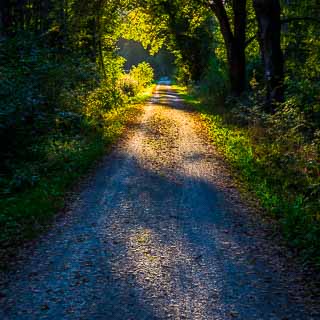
x: 219, y: 10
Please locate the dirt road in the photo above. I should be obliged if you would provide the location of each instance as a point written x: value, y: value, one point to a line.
x: 159, y: 232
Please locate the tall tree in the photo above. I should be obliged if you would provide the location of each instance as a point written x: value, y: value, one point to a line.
x: 268, y: 16
x: 235, y: 40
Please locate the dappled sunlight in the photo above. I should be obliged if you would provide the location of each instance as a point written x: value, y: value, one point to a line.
x: 174, y: 239
x: 162, y: 140
x: 168, y: 274
x: 143, y: 145
x: 158, y: 234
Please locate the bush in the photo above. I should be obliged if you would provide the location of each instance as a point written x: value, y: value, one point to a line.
x: 39, y: 168
x: 99, y: 101
x: 278, y: 159
x: 213, y: 84
x: 137, y: 80
x: 129, y: 86
x: 35, y: 92
x: 143, y: 74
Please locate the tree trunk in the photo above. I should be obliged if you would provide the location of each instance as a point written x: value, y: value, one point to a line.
x: 234, y: 41
x: 268, y: 16
x: 237, y: 68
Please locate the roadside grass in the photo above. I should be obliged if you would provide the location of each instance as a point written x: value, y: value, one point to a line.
x: 63, y: 158
x: 262, y: 168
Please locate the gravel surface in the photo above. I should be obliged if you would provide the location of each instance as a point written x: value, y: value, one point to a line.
x: 159, y: 232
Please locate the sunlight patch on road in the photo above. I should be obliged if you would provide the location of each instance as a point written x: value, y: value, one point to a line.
x: 156, y: 96
x: 170, y: 276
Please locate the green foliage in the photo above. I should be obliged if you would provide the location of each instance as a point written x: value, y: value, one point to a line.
x: 35, y: 188
x: 36, y: 96
x: 142, y: 26
x: 143, y: 74
x: 182, y: 27
x: 59, y: 112
x: 214, y: 82
x: 129, y: 86
x: 134, y: 53
x: 302, y: 50
x: 139, y: 77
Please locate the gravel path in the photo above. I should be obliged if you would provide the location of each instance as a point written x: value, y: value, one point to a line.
x: 158, y: 233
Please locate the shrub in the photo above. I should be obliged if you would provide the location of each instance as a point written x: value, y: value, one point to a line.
x: 129, y: 86
x: 278, y: 158
x: 143, y: 74
x: 100, y: 100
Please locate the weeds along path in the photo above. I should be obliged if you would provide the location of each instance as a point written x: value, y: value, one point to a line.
x: 158, y: 233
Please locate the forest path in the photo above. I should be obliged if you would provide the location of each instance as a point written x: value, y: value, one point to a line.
x: 158, y: 233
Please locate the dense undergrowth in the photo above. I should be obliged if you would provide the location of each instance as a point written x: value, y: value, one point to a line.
x: 57, y: 117
x: 56, y: 161
x: 276, y: 162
